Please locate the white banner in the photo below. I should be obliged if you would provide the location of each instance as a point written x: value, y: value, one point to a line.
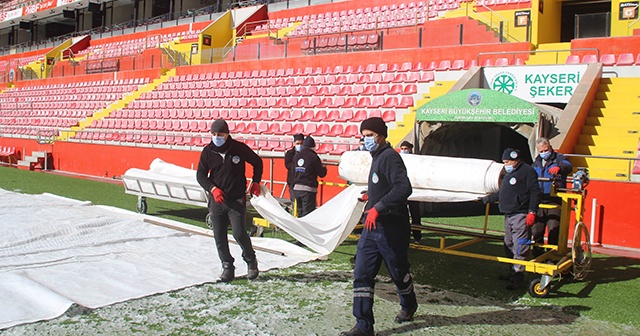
x: 539, y: 84
x: 10, y: 15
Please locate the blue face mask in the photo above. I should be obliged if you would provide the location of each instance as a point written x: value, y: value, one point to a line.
x: 370, y: 143
x: 298, y: 148
x: 218, y: 140
x: 545, y: 155
x: 508, y: 169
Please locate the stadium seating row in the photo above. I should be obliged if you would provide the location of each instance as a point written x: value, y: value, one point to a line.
x: 204, y: 90
x: 500, y: 2
x: 262, y: 144
x: 305, y: 72
x: 251, y: 115
x: 605, y: 59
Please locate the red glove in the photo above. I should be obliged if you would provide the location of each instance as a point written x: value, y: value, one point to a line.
x: 255, y: 189
x: 554, y: 170
x: 370, y: 222
x: 364, y: 197
x: 218, y: 195
x: 531, y: 218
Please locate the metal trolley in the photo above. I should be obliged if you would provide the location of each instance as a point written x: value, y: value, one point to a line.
x: 561, y: 259
x: 166, y: 191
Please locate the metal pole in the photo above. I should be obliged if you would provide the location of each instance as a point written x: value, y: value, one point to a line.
x: 286, y: 45
x: 461, y: 34
x: 420, y: 37
x: 501, y: 30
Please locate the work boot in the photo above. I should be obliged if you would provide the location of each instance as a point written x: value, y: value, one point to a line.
x: 515, y: 280
x: 228, y: 272
x: 355, y: 331
x: 405, y: 315
x: 252, y: 266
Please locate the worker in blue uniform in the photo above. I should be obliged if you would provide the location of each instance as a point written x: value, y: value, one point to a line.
x: 386, y: 231
x: 554, y: 166
x: 518, y: 200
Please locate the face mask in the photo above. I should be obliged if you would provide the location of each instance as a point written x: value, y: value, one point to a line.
x: 370, y: 143
x: 545, y: 155
x: 405, y: 151
x: 362, y: 147
x: 509, y: 169
x: 218, y: 140
x: 298, y: 148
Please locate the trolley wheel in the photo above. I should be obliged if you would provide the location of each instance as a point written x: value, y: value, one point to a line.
x: 141, y: 206
x: 207, y: 220
x: 581, y: 251
x: 536, y: 290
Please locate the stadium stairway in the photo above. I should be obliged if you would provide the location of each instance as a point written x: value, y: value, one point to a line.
x: 119, y: 104
x: 546, y: 54
x: 612, y: 129
x: 405, y: 124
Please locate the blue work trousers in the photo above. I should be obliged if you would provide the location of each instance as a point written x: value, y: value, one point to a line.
x: 389, y: 242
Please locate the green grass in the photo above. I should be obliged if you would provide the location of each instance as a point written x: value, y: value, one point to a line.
x: 610, y: 292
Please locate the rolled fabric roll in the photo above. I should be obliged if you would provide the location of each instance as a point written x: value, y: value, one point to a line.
x: 433, y: 178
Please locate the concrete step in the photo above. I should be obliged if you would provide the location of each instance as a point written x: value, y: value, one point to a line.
x: 628, y: 95
x: 617, y: 103
x: 605, y: 169
x: 626, y: 141
x: 613, y: 121
x: 617, y: 151
x: 614, y: 111
x: 611, y: 131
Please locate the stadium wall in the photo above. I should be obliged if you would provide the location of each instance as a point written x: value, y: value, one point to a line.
x: 616, y: 216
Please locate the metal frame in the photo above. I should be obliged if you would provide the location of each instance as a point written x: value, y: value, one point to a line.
x: 553, y: 263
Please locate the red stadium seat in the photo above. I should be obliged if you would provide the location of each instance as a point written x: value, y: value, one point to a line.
x: 589, y: 59
x: 625, y: 59
x: 608, y: 59
x: 572, y: 59
x: 502, y: 61
x: 457, y: 64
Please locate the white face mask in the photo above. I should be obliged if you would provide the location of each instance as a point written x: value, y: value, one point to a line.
x: 298, y: 148
x: 405, y: 151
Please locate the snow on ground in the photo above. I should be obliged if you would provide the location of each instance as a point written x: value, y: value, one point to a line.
x: 312, y: 299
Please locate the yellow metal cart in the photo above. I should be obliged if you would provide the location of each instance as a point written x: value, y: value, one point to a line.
x: 558, y: 260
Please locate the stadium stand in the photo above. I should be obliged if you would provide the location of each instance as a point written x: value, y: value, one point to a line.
x: 318, y: 69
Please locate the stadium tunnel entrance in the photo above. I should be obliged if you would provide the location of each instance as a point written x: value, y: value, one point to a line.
x: 473, y: 140
x: 479, y: 124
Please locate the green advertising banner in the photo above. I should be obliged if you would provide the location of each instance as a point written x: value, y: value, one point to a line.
x: 478, y: 105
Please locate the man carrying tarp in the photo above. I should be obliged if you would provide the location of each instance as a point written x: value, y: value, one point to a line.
x: 221, y: 171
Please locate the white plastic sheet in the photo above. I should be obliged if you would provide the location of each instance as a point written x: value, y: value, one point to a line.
x: 433, y: 178
x: 323, y: 229
x: 56, y: 251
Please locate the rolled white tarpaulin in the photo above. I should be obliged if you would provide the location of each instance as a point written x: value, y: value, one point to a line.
x: 433, y: 178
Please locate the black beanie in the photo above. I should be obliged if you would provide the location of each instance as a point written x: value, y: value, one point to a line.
x: 219, y: 126
x: 309, y: 142
x: 511, y: 154
x: 406, y: 144
x: 375, y: 124
x: 298, y: 136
